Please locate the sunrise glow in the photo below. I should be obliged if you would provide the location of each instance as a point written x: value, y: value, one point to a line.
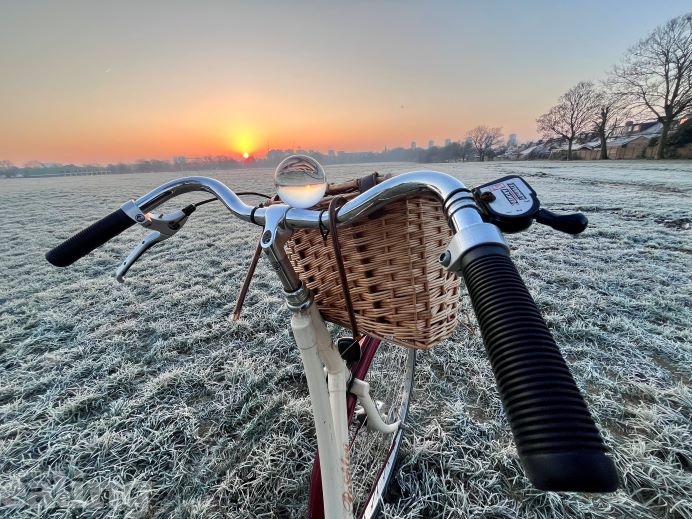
x: 237, y: 79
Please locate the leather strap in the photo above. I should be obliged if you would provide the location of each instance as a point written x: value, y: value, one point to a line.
x: 335, y: 203
x: 246, y: 283
x: 367, y: 182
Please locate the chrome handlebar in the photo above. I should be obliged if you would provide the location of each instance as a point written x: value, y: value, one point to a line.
x: 457, y: 201
x: 459, y: 205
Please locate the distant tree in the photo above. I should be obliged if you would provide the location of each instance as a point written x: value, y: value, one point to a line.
x: 431, y: 154
x: 611, y: 109
x: 572, y: 116
x: 7, y: 169
x: 657, y: 72
x: 453, y: 152
x: 180, y: 163
x: 484, y: 138
x: 148, y: 166
x: 467, y: 150
x: 511, y: 150
x: 394, y: 154
x: 123, y: 168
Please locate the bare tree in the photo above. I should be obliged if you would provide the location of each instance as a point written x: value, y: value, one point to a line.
x: 611, y: 109
x: 484, y: 139
x: 7, y: 168
x: 572, y: 116
x: 658, y: 73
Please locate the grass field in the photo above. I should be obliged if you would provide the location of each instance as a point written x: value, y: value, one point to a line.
x: 146, y: 400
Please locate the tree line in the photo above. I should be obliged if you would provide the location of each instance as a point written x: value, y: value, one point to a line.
x: 653, y: 79
x: 474, y: 147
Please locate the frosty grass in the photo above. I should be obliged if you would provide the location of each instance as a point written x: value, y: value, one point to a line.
x: 146, y: 400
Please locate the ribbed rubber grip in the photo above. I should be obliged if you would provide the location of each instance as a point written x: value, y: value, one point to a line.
x: 89, y: 239
x: 556, y: 437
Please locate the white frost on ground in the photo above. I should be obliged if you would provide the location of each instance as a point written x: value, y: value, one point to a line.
x: 146, y: 398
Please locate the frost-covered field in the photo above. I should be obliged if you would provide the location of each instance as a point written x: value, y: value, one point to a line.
x: 146, y: 400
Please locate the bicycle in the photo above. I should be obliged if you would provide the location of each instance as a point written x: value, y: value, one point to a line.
x: 360, y: 391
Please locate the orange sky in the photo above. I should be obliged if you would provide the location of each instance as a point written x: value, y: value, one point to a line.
x: 105, y: 82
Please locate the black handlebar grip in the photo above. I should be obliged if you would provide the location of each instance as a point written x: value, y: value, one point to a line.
x: 557, y: 440
x: 89, y: 239
x: 570, y: 223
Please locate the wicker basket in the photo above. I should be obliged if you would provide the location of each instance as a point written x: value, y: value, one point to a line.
x: 400, y: 293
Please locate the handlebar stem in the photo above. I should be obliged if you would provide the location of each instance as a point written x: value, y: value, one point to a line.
x: 273, y: 240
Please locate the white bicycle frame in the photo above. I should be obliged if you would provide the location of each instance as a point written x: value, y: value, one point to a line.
x: 328, y: 399
x: 320, y: 356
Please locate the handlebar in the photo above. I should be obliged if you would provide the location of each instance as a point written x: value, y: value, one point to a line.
x: 458, y: 203
x: 556, y: 437
x: 434, y: 183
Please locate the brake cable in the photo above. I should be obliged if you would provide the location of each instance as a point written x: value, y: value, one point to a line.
x: 242, y: 193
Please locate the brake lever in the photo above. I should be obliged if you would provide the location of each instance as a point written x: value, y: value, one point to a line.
x: 162, y: 227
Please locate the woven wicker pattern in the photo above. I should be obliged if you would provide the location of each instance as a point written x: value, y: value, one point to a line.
x: 399, y: 290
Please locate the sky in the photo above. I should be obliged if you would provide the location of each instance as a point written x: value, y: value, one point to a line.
x: 95, y: 81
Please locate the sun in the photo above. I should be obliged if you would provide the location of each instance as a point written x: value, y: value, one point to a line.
x: 243, y: 140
